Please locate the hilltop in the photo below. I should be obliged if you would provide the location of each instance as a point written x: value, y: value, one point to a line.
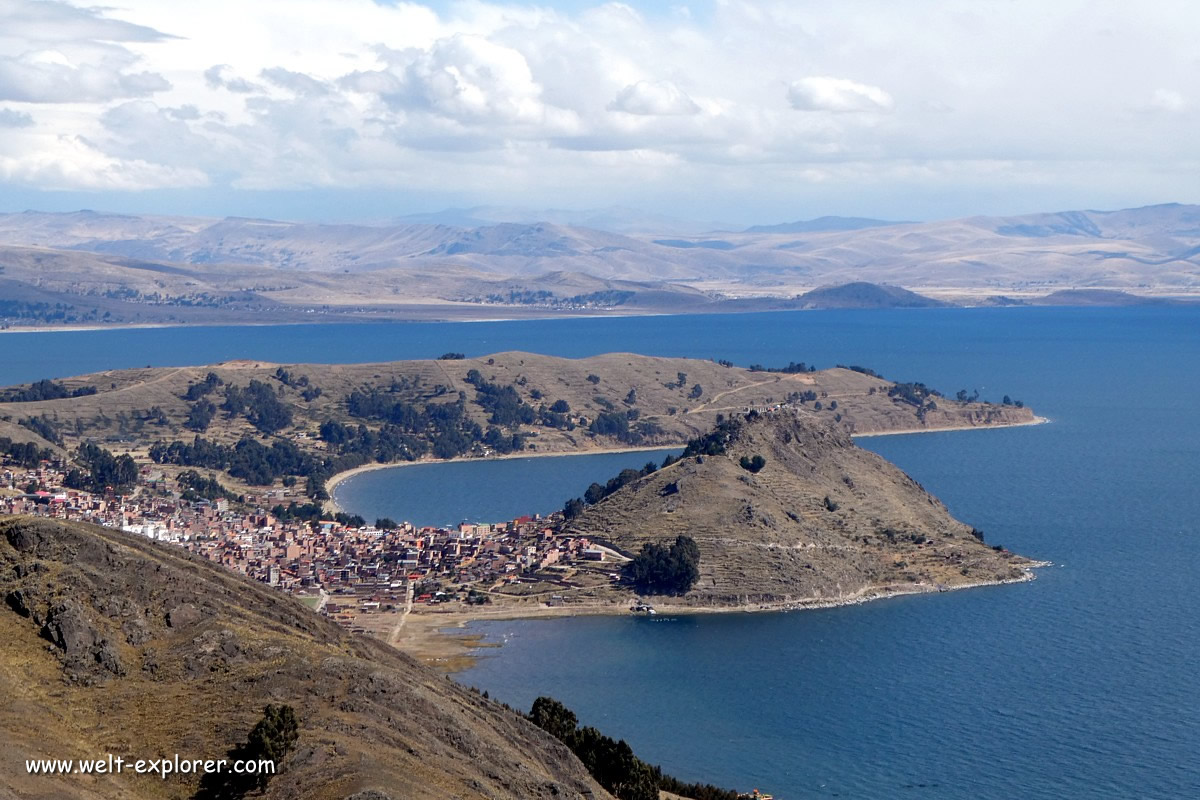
x: 115, y: 644
x: 787, y: 510
x: 866, y: 295
x: 261, y: 422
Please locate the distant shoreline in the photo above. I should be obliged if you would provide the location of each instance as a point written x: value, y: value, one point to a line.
x: 448, y: 314
x: 548, y: 314
x: 114, y: 327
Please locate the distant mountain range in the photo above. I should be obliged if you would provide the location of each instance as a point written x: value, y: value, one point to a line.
x: 615, y: 219
x: 466, y: 259
x: 824, y: 225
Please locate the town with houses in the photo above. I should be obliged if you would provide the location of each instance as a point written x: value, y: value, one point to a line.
x: 343, y: 572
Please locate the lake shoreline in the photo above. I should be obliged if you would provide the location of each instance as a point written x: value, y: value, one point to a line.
x: 527, y: 315
x: 338, y: 478
x: 443, y: 639
x: 449, y: 313
x: 949, y: 428
x: 333, y: 482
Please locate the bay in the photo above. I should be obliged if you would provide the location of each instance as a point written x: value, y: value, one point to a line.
x: 492, y: 490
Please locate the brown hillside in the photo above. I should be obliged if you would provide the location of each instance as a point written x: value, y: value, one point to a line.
x: 121, y: 410
x: 114, y: 644
x: 772, y: 537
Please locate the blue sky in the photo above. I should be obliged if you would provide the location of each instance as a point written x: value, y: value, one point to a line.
x: 734, y: 111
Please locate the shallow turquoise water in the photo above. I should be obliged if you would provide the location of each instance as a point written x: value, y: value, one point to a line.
x: 1083, y: 684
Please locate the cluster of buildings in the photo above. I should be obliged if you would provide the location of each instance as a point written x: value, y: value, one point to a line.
x: 346, y: 570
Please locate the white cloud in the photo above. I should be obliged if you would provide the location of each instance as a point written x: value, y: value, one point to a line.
x: 837, y: 94
x: 50, y: 76
x: 1167, y: 100
x: 15, y: 119
x: 653, y: 98
x: 53, y: 52
x: 296, y: 82
x: 496, y: 99
x: 221, y: 76
x: 75, y: 163
x: 465, y: 77
x: 55, y: 21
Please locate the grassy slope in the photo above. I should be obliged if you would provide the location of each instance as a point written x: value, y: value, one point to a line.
x: 862, y: 401
x: 724, y: 390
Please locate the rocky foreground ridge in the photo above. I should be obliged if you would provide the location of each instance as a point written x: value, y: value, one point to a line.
x: 114, y: 644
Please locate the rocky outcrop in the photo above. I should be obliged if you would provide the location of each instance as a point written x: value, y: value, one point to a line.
x: 69, y: 628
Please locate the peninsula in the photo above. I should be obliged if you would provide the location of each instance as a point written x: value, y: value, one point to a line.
x: 232, y: 461
x: 258, y: 423
x: 787, y: 513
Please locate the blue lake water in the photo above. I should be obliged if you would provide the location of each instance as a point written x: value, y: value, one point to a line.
x: 1082, y: 684
x: 481, y: 491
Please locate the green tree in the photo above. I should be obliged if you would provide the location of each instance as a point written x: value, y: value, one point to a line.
x: 200, y: 416
x: 753, y: 464
x: 264, y: 410
x: 271, y: 739
x: 555, y: 718
x: 315, y: 488
x: 658, y: 569
x: 612, y: 762
x: 573, y: 508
